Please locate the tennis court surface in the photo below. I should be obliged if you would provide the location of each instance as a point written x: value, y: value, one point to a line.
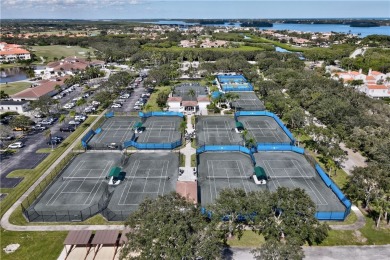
x: 216, y: 130
x: 248, y: 101
x: 183, y: 91
x: 264, y: 129
x: 79, y: 187
x: 160, y: 129
x: 291, y: 170
x: 116, y: 129
x: 147, y: 175
x: 217, y: 171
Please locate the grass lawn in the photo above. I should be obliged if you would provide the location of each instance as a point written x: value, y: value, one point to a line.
x: 248, y: 239
x: 45, y: 150
x: 193, y: 160
x: 14, y: 87
x: 182, y: 162
x: 33, y: 245
x: 58, y: 51
x: 151, y: 105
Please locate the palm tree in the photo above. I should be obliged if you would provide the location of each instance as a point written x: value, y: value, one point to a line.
x: 191, y: 93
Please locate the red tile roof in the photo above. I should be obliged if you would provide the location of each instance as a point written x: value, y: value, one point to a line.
x: 45, y: 87
x: 203, y: 99
x: 377, y: 87
x: 189, y: 103
x: 188, y: 189
x: 174, y: 99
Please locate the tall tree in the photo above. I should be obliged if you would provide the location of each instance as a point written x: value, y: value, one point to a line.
x: 170, y: 227
x: 276, y: 250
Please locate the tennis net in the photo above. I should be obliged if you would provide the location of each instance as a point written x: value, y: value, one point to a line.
x: 82, y: 178
x: 306, y: 177
x: 262, y: 129
x: 210, y: 177
x: 148, y: 177
x: 160, y: 129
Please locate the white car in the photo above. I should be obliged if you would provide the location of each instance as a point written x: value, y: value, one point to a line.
x: 137, y: 108
x: 16, y: 145
x: 116, y: 106
x: 74, y: 122
x: 95, y: 102
x: 125, y: 96
x: 80, y: 118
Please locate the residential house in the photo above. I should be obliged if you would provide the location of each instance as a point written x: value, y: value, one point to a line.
x: 12, y: 53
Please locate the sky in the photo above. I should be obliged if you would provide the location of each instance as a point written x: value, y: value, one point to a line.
x: 190, y: 9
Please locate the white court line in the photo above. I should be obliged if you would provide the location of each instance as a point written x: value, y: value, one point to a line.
x: 137, y: 162
x: 230, y: 135
x: 242, y: 174
x: 146, y: 181
x: 312, y: 185
x: 62, y: 184
x: 266, y: 165
x: 166, y: 174
x: 99, y: 182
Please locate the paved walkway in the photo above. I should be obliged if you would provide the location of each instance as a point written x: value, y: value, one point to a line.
x: 189, y: 174
x: 360, y: 222
x: 5, y: 219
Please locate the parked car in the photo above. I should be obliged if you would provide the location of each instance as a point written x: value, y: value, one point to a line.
x: 86, y: 95
x: 68, y: 128
x: 125, y: 96
x: 39, y: 116
x: 53, y: 142
x: 39, y: 127
x: 116, y: 106
x: 17, y: 128
x: 80, y: 117
x: 95, y: 102
x: 137, y: 108
x: 16, y: 145
x: 74, y: 122
x: 7, y: 137
x: 46, y: 122
x: 59, y: 138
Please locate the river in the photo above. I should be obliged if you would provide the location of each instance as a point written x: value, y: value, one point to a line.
x: 12, y: 74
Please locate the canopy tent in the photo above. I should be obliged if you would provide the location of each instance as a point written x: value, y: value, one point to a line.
x: 115, y: 172
x: 260, y: 173
x: 239, y: 125
x: 137, y: 125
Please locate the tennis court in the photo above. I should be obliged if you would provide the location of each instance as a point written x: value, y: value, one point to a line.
x: 217, y: 171
x: 216, y: 130
x: 291, y: 170
x: 248, y: 101
x: 264, y: 129
x: 147, y: 175
x: 80, y: 185
x: 160, y: 129
x: 116, y: 129
x: 183, y: 91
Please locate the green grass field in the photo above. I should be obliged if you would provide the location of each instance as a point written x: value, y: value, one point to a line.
x: 180, y: 49
x: 60, y: 50
x: 14, y: 87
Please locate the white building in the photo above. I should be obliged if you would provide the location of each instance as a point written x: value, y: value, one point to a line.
x: 17, y: 106
x: 376, y: 91
x: 12, y: 53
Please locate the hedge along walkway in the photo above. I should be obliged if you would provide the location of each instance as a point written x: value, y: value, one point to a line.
x: 5, y: 219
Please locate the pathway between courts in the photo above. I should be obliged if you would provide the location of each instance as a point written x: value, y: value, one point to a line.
x: 188, y: 174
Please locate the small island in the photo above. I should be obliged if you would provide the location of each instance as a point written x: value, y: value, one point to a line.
x: 256, y: 24
x: 364, y: 24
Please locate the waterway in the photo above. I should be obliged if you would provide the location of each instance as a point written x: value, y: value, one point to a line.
x: 340, y: 28
x: 12, y: 74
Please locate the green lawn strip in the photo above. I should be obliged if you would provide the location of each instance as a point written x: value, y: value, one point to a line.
x: 45, y: 150
x: 11, y: 65
x: 14, y: 87
x: 193, y: 160
x: 152, y: 104
x: 180, y: 49
x: 248, y: 239
x: 182, y: 162
x: 374, y: 235
x: 341, y: 238
x: 31, y: 175
x: 352, y: 218
x: 58, y: 51
x: 33, y: 245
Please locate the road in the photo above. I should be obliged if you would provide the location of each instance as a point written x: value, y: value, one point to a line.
x: 325, y: 253
x: 26, y: 157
